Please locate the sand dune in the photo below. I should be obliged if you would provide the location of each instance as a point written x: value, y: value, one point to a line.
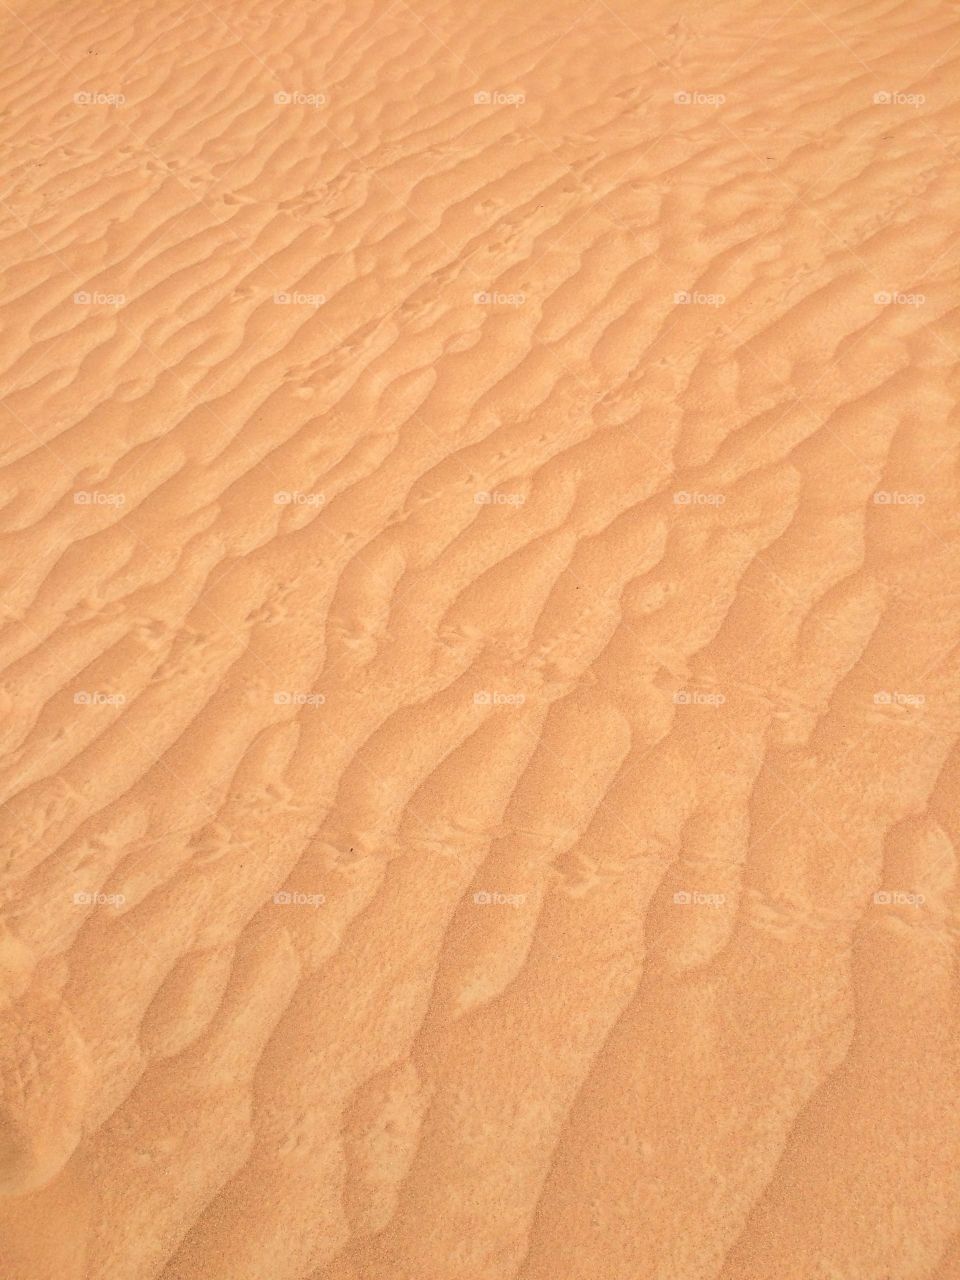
x: 480, y: 618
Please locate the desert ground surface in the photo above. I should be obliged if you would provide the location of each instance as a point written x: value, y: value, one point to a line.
x: 480, y: 629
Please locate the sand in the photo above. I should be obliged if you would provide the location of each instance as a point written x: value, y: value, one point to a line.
x: 480, y: 620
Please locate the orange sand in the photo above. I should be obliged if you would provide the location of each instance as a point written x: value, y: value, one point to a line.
x: 481, y: 605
